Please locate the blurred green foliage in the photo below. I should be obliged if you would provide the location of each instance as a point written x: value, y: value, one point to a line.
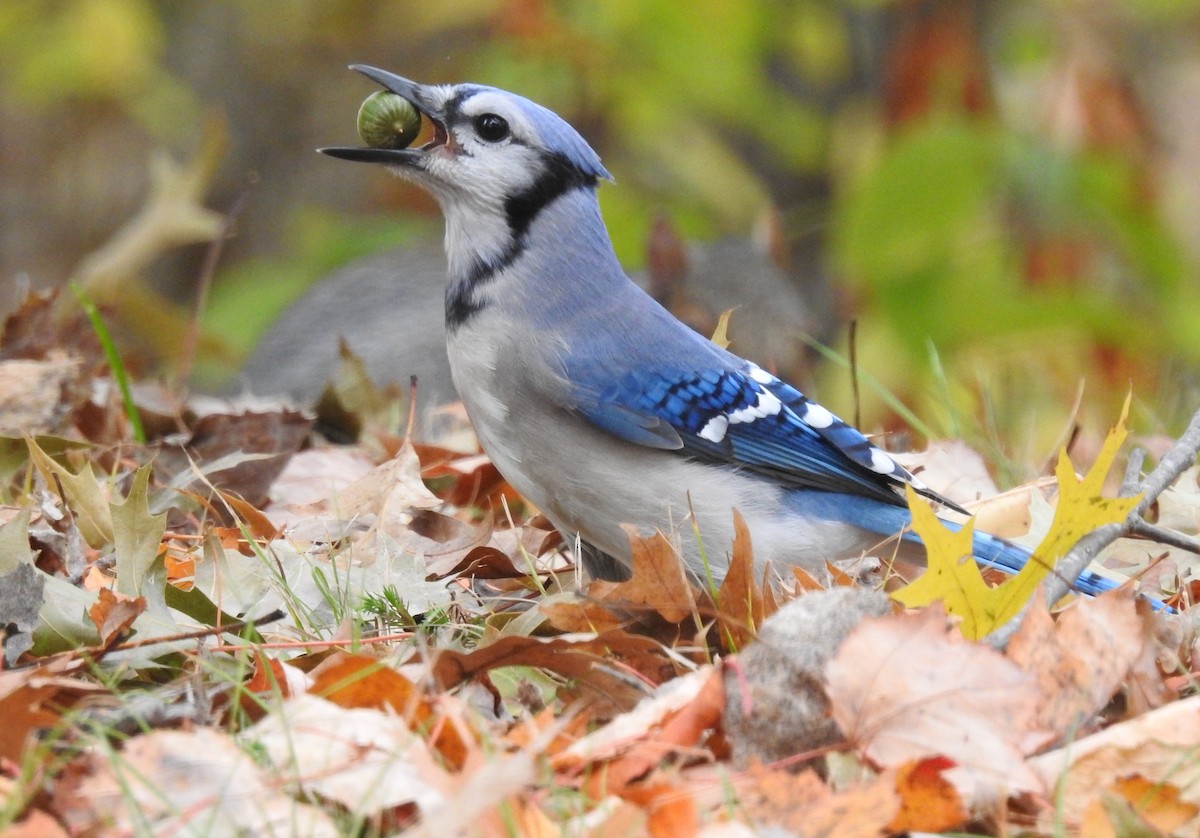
x: 932, y: 181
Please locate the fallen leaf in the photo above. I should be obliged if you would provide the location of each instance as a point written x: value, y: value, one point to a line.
x: 83, y: 495
x: 669, y: 806
x: 659, y: 581
x: 740, y: 601
x: 113, y: 614
x: 907, y: 686
x: 31, y: 393
x: 23, y: 707
x: 951, y: 468
x: 1079, y: 661
x: 928, y: 801
x: 956, y: 581
x: 359, y: 681
x: 367, y: 760
x: 618, y: 666
x: 803, y: 805
x: 1156, y: 805
x: 392, y: 492
x: 137, y: 535
x: 951, y: 576
x: 677, y: 716
x: 171, y: 782
x: 1159, y: 746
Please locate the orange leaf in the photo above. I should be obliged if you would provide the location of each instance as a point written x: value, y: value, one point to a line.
x: 646, y: 740
x: 670, y: 808
x: 114, y: 613
x: 359, y: 681
x: 928, y: 801
x: 741, y: 603
x: 1157, y: 805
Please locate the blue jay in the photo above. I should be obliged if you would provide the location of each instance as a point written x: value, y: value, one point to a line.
x: 596, y: 403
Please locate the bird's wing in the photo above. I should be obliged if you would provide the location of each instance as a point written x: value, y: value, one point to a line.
x: 745, y: 417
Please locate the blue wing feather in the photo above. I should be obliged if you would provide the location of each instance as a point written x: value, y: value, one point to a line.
x: 743, y: 416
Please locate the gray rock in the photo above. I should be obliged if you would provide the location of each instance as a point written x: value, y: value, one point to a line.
x: 775, y: 703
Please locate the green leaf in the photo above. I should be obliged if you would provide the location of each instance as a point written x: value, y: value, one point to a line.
x: 84, y: 495
x: 137, y: 535
x: 14, y: 542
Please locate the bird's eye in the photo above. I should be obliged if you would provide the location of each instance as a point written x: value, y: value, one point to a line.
x: 491, y: 127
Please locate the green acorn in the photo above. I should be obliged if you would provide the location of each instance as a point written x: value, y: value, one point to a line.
x: 386, y: 120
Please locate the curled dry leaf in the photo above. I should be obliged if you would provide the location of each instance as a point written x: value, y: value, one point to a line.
x: 619, y: 667
x: 678, y: 715
x: 114, y: 613
x: 1155, y: 807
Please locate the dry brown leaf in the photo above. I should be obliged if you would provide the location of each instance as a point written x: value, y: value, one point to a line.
x: 802, y: 804
x: 391, y: 492
x: 359, y: 681
x: 1079, y: 661
x: 619, y: 666
x: 659, y: 580
x: 1159, y: 746
x: 32, y: 393
x: 113, y: 613
x: 908, y: 686
x: 566, y: 612
x: 683, y: 712
x: 928, y: 801
x: 1145, y: 686
x: 266, y: 441
x: 805, y: 580
x: 741, y: 605
x: 1156, y: 804
x: 271, y: 678
x: 625, y: 731
x: 23, y: 709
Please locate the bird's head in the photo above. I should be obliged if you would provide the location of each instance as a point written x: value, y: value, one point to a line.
x: 494, y: 160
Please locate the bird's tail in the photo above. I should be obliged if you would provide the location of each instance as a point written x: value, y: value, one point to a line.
x: 992, y: 551
x: 887, y: 520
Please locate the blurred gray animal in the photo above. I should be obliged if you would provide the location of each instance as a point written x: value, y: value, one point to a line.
x: 389, y: 308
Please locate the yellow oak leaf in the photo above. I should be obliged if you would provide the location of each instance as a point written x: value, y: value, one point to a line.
x: 955, y: 580
x: 951, y: 574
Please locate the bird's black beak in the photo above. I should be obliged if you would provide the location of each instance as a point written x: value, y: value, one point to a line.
x: 420, y: 97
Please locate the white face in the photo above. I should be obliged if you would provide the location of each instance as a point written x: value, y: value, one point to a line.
x: 491, y: 154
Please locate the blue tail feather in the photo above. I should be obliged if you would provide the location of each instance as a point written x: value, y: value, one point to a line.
x: 887, y: 520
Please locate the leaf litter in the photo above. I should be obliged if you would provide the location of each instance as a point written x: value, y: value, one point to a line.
x: 240, y: 627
